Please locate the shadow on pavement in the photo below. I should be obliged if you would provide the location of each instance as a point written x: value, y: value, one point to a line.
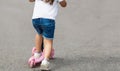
x: 58, y: 63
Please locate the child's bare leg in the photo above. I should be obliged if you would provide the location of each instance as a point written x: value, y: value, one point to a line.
x: 47, y: 52
x: 48, y: 48
x: 38, y: 42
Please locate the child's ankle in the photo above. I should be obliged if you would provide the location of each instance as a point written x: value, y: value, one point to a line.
x: 38, y: 51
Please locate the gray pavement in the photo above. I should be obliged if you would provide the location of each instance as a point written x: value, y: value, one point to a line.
x: 87, y: 36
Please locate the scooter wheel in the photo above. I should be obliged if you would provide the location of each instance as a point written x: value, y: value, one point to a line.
x: 32, y: 63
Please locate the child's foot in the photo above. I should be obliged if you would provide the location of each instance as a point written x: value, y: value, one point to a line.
x: 36, y: 58
x: 45, y: 65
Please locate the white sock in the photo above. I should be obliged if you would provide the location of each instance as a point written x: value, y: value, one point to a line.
x: 37, y: 55
x: 45, y: 62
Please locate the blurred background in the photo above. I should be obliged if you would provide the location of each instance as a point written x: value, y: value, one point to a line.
x: 87, y: 36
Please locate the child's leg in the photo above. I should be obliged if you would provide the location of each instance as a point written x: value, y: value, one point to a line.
x: 48, y: 34
x: 48, y: 48
x: 47, y: 52
x: 36, y: 57
x: 38, y: 42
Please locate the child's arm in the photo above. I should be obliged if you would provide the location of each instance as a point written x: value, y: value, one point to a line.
x: 63, y: 3
x: 31, y: 0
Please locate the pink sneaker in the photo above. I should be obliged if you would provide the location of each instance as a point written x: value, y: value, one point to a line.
x: 33, y: 61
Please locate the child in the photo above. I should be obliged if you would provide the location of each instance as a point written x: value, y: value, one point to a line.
x: 44, y: 14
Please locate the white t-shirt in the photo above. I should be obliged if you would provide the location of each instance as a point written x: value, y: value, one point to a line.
x: 45, y: 10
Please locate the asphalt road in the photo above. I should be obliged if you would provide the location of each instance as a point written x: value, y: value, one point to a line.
x: 87, y: 36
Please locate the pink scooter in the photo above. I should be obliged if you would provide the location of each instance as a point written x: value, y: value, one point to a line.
x: 32, y: 61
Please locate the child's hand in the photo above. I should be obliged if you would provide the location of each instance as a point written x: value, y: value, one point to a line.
x: 31, y: 0
x: 63, y: 3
